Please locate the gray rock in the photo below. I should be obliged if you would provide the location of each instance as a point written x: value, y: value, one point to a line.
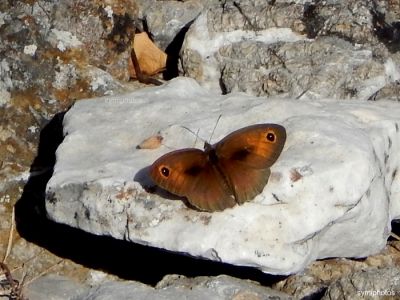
x: 173, y: 287
x: 54, y: 287
x: 60, y: 50
x: 327, y: 67
x: 220, y: 287
x: 369, y: 284
x: 298, y: 49
x: 164, y: 19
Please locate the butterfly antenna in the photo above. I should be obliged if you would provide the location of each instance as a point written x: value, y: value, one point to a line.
x: 196, y: 134
x: 212, y: 133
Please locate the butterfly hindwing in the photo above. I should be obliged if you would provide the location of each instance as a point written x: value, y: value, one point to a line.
x: 247, y: 182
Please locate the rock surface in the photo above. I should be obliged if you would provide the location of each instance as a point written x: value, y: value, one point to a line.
x: 370, y: 284
x: 53, y: 287
x: 165, y: 19
x: 173, y: 287
x: 324, y: 275
x: 53, y: 53
x: 295, y: 49
x: 48, y: 60
x: 332, y: 193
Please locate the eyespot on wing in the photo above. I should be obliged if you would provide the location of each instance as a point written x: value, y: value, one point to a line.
x: 257, y: 146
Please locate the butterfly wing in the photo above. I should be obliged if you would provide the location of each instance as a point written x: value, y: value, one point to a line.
x: 189, y: 173
x: 246, y: 155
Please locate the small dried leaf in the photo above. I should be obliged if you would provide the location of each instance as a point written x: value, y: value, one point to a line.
x: 152, y: 142
x: 151, y: 59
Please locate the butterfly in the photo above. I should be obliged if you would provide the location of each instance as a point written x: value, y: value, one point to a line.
x: 230, y: 172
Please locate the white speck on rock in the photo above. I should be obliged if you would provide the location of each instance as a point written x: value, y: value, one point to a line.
x: 154, y: 222
x: 63, y: 40
x: 109, y: 11
x: 96, y: 277
x: 30, y: 49
x: 32, y: 129
x: 5, y: 199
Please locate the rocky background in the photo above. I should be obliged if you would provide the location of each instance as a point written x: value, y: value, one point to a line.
x: 54, y: 53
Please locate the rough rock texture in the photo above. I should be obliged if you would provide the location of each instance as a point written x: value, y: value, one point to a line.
x: 321, y: 275
x: 73, y: 46
x: 324, y: 49
x: 314, y: 206
x: 173, y: 287
x: 369, y: 284
x: 53, y: 53
x: 165, y: 19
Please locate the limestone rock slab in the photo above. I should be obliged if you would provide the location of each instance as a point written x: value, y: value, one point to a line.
x: 332, y: 193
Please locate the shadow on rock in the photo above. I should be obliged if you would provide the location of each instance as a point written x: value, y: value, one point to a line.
x: 173, y: 53
x: 127, y: 260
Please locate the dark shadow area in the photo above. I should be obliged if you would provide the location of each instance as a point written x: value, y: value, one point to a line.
x: 222, y: 85
x: 124, y: 259
x: 316, y: 295
x: 389, y: 34
x: 395, y: 229
x: 173, y: 50
x: 312, y: 20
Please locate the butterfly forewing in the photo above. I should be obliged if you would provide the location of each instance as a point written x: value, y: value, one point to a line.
x: 189, y: 173
x: 245, y: 156
x: 257, y: 146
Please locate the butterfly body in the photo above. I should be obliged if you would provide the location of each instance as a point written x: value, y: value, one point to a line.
x: 230, y: 172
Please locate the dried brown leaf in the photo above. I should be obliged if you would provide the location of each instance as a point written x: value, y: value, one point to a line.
x: 152, y: 142
x: 151, y: 59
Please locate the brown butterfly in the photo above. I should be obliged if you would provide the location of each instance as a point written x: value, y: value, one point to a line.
x: 230, y: 172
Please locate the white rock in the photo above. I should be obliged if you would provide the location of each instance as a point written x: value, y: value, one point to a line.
x: 332, y: 192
